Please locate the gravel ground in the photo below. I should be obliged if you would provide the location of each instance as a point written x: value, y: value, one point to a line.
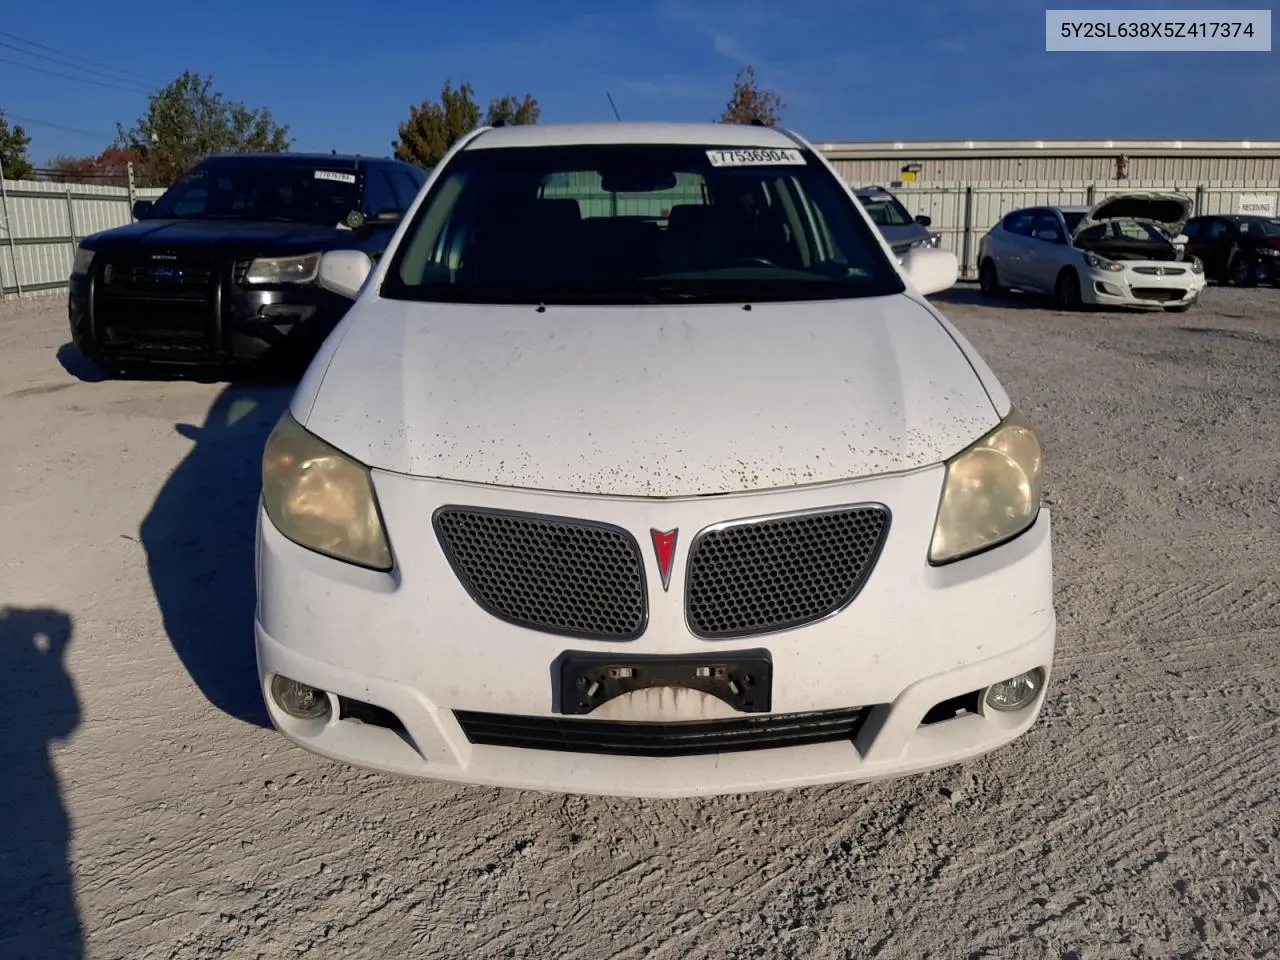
x: 148, y: 814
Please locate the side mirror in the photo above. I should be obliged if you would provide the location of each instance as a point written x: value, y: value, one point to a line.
x: 1181, y: 240
x: 345, y: 271
x: 930, y: 269
x: 142, y: 209
x: 924, y: 220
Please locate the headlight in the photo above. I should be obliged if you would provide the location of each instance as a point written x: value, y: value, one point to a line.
x: 1096, y: 262
x: 1269, y: 251
x: 991, y: 492
x: 321, y: 499
x: 83, y: 260
x: 933, y: 241
x: 301, y: 269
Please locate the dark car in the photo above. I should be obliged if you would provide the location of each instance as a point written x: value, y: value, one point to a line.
x: 221, y: 269
x: 1236, y: 248
x: 901, y: 230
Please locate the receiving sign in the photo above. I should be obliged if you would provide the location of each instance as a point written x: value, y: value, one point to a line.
x: 1257, y: 204
x: 755, y: 157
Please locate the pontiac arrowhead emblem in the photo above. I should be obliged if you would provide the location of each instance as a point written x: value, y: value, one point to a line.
x: 664, y: 547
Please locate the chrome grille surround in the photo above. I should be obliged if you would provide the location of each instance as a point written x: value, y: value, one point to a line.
x: 767, y: 574
x: 560, y: 575
x: 1160, y: 271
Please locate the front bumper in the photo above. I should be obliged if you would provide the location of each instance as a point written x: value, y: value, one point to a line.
x: 415, y: 645
x: 227, y: 324
x: 1131, y: 288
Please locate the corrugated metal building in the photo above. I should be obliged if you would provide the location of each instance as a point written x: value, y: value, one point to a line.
x: 922, y: 162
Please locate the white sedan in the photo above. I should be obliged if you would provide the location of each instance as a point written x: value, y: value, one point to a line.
x: 1124, y: 251
x: 641, y: 467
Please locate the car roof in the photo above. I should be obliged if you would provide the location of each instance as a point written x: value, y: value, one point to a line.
x: 570, y: 134
x: 872, y: 192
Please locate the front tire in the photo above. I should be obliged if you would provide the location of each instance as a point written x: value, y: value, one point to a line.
x: 1243, y: 272
x: 989, y: 280
x: 1066, y: 292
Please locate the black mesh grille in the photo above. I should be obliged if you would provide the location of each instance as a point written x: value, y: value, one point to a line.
x: 554, y: 574
x: 1158, y: 293
x: 773, y: 574
x: 165, y: 280
x: 688, y: 738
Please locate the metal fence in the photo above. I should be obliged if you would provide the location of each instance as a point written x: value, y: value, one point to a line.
x: 41, y: 223
x: 963, y: 212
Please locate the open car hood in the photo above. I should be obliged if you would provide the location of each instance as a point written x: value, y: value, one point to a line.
x: 1168, y: 210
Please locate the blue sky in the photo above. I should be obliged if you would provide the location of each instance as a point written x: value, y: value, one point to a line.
x: 343, y: 74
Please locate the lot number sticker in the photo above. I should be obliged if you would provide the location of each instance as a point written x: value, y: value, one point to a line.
x: 755, y: 158
x: 335, y: 176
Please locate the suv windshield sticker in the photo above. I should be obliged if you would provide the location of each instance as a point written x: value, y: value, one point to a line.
x: 754, y: 158
x: 335, y: 176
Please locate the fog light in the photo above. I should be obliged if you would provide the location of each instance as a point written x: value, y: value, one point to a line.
x: 1016, y: 692
x: 298, y: 700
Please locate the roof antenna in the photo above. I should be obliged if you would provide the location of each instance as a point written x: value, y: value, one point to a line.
x: 612, y: 104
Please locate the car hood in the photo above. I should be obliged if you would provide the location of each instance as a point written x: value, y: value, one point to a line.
x: 217, y: 234
x: 1169, y: 210
x: 904, y: 234
x: 653, y: 401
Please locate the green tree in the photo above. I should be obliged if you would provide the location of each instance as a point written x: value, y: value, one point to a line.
x: 13, y: 150
x: 433, y: 128
x: 749, y: 103
x: 188, y: 121
x: 513, y: 111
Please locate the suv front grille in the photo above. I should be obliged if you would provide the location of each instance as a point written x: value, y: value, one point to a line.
x: 184, y: 280
x: 554, y: 574
x: 679, y: 739
x: 755, y: 576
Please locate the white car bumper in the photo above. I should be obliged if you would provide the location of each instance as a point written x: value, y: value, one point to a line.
x: 1143, y: 285
x: 417, y: 645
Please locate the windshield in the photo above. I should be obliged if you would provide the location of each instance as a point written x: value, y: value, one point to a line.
x: 886, y: 211
x: 286, y: 192
x: 637, y: 224
x: 1260, y: 228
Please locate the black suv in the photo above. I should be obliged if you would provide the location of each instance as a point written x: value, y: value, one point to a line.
x: 1236, y: 248
x: 221, y: 269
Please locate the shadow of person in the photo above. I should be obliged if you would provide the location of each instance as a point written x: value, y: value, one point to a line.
x: 199, y: 540
x: 38, y: 916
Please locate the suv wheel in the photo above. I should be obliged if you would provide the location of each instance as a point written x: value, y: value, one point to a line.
x: 1243, y: 272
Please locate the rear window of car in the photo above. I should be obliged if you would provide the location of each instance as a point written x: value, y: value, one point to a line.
x: 637, y: 224
x: 886, y: 210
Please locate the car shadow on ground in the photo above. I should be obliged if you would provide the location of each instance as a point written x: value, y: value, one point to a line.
x: 38, y: 916
x: 969, y: 295
x: 85, y: 370
x: 199, y: 541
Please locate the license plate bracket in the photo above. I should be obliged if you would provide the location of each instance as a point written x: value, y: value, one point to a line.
x: 742, y: 679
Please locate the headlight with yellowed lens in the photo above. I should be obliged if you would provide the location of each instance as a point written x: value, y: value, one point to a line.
x: 991, y: 492
x: 322, y: 499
